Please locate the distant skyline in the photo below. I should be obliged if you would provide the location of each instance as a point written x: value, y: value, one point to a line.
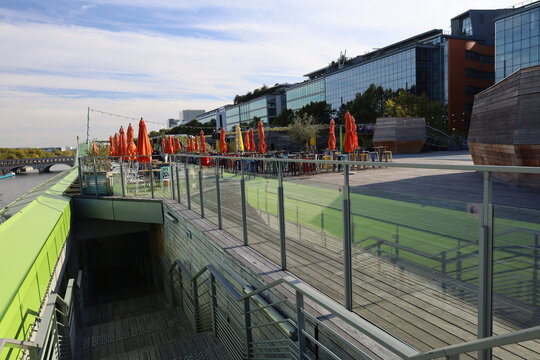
x: 155, y: 58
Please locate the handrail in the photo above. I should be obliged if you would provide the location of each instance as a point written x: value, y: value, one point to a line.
x: 483, y: 168
x: 374, y: 332
x: 20, y: 344
x: 380, y: 336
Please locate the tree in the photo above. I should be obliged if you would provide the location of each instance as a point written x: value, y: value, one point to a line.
x: 283, y: 119
x: 193, y: 127
x: 321, y: 111
x: 303, y: 128
x: 405, y: 104
x: 251, y: 124
x: 369, y: 105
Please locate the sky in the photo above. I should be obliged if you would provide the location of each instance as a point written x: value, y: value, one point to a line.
x: 155, y: 58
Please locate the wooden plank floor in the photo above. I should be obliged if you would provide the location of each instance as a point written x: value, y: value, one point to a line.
x: 413, y: 308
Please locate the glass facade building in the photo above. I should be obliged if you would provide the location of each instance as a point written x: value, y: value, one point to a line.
x: 305, y: 93
x: 517, y: 40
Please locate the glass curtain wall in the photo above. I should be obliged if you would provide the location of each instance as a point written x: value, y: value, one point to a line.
x: 304, y: 94
x: 517, y: 42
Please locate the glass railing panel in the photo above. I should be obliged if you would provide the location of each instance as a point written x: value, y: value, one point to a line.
x: 516, y: 260
x: 314, y: 227
x: 262, y: 208
x: 231, y: 205
x: 194, y: 186
x: 415, y: 253
x: 210, y: 193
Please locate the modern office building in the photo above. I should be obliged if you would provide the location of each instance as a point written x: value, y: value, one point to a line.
x: 188, y: 115
x: 517, y: 40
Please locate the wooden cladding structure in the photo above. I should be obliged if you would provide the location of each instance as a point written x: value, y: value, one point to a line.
x: 400, y: 135
x: 505, y: 125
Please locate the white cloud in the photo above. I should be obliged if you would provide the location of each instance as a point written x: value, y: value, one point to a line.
x: 272, y: 42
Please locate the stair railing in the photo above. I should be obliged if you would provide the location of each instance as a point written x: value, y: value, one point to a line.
x: 302, y: 340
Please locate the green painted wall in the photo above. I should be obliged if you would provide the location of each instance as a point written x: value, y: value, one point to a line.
x: 30, y: 243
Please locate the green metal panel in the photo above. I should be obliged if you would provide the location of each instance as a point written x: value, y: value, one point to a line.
x: 138, y: 211
x: 93, y: 208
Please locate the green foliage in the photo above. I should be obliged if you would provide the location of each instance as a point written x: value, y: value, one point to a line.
x: 303, y: 128
x: 283, y: 119
x: 251, y: 95
x: 405, y: 104
x: 31, y: 153
x: 369, y: 105
x: 251, y: 124
x: 192, y: 127
x: 321, y: 111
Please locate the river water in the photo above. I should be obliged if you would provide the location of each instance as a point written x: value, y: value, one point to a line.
x: 15, y: 186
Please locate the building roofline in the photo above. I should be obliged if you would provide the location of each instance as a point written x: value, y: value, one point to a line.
x: 381, y: 51
x: 513, y: 11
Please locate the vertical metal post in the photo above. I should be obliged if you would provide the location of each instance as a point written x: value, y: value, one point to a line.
x: 243, y: 200
x: 535, y: 272
x: 171, y: 175
x: 214, y: 303
x: 249, y: 334
x: 95, y: 177
x: 218, y: 196
x: 188, y: 190
x: 196, y: 312
x: 151, y: 178
x: 301, y: 324
x: 80, y: 177
x: 201, y: 192
x: 281, y: 209
x: 347, y: 245
x: 177, y: 182
x: 485, y: 246
x: 122, y: 179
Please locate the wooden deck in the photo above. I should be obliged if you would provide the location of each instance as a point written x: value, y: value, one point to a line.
x: 414, y: 308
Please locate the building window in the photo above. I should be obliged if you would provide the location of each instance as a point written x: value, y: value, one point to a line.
x: 466, y: 27
x: 481, y: 75
x: 471, y: 55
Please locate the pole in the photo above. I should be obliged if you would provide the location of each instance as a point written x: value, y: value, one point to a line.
x: 95, y: 177
x: 122, y: 179
x: 188, y: 190
x: 347, y: 246
x: 151, y: 178
x: 281, y: 209
x: 485, y: 291
x: 243, y: 200
x: 88, y: 127
x: 218, y: 196
x: 177, y: 181
x: 171, y: 174
x: 201, y: 193
x: 80, y: 177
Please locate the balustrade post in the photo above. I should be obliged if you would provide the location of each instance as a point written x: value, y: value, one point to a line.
x: 196, y: 313
x: 249, y: 334
x: 281, y: 209
x: 243, y: 200
x: 171, y: 175
x: 535, y: 271
x: 347, y: 245
x: 95, y: 177
x: 151, y: 178
x: 188, y: 190
x: 485, y: 247
x: 122, y: 179
x: 201, y: 192
x: 301, y: 324
x: 177, y: 181
x: 214, y: 303
x: 218, y: 196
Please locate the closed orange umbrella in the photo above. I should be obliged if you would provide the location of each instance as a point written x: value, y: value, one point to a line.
x: 164, y: 147
x: 144, y: 147
x: 262, y: 144
x: 251, y: 140
x: 95, y: 149
x: 131, y: 147
x: 222, y: 141
x: 202, y: 147
x: 332, y: 135
x: 196, y: 145
x: 247, y: 144
x: 177, y: 145
x: 112, y: 149
x: 123, y: 148
x: 116, y: 144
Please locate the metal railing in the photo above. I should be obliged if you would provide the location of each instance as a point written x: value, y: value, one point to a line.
x: 190, y: 182
x: 217, y: 308
x: 56, y: 331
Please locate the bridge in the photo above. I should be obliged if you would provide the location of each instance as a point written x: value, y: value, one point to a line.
x: 41, y: 164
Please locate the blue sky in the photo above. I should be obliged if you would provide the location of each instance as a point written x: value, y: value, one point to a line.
x: 154, y: 58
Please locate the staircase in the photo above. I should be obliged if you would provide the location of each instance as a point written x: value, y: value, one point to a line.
x: 145, y: 327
